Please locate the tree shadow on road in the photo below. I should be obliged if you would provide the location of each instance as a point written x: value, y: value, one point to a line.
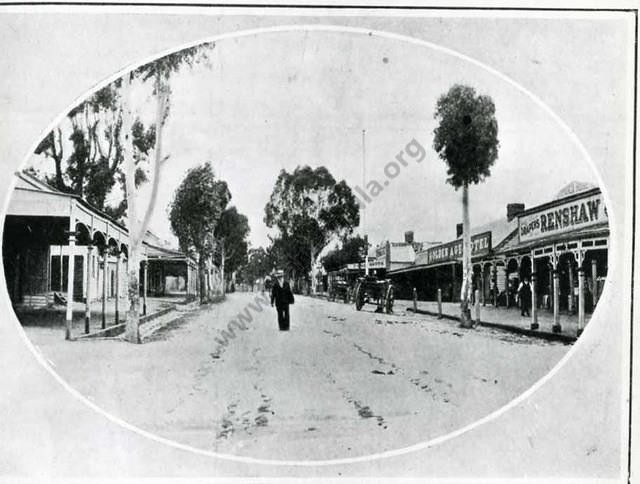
x: 166, y: 332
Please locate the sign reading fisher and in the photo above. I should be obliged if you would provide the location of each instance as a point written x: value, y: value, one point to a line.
x: 480, y: 245
x: 566, y: 217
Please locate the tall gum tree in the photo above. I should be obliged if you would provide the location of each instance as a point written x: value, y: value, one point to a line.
x: 86, y: 150
x: 466, y: 139
x: 257, y: 267
x: 159, y: 72
x: 231, y: 236
x: 309, y: 208
x: 194, y: 213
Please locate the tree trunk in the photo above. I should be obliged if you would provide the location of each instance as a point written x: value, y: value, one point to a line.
x: 132, y: 327
x: 161, y: 103
x: 201, y: 277
x: 57, y: 158
x: 465, y: 311
x: 136, y: 228
x: 212, y: 276
x: 313, y: 269
x: 224, y: 282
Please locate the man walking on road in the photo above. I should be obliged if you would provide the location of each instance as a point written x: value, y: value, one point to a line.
x: 283, y: 297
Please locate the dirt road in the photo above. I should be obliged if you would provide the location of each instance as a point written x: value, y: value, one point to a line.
x: 341, y: 383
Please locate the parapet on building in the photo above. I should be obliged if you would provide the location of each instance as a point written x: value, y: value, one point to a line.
x: 561, y: 246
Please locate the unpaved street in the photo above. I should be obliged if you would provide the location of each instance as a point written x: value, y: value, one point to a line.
x: 341, y: 383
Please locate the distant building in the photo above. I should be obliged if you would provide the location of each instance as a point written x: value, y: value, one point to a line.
x: 393, y: 256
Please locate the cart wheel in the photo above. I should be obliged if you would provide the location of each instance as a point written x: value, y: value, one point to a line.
x: 388, y: 303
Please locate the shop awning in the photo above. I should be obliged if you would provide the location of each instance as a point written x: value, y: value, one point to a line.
x: 514, y: 247
x: 420, y: 267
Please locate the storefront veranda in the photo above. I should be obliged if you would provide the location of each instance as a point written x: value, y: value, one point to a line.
x: 59, y: 250
x: 561, y: 247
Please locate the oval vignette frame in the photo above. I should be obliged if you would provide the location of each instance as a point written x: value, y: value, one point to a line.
x: 385, y: 454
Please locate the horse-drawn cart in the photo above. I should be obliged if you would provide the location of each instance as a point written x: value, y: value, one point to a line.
x: 339, y: 290
x: 371, y: 290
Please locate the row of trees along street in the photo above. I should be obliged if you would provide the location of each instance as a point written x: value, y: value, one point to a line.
x: 309, y: 208
x: 206, y: 228
x: 104, y: 145
x: 260, y: 263
x: 104, y: 151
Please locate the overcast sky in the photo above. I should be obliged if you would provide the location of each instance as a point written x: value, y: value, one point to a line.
x: 278, y: 100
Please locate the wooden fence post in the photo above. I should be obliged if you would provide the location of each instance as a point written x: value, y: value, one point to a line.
x: 415, y: 301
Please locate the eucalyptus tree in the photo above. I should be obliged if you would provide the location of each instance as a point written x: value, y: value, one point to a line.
x: 107, y: 143
x: 466, y: 139
x: 231, y: 236
x: 160, y: 73
x: 348, y: 252
x: 309, y: 207
x: 258, y: 266
x: 195, y: 212
x: 86, y: 150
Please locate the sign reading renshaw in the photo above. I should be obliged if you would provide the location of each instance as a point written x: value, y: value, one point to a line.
x: 572, y: 215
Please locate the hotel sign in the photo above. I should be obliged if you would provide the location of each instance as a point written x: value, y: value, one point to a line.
x: 480, y: 245
x: 373, y: 264
x: 572, y: 215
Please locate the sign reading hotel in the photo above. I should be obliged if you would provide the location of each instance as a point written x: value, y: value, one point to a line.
x: 573, y: 215
x: 480, y: 245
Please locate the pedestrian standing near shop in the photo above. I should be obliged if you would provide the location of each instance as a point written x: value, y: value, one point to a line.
x: 524, y: 295
x: 282, y: 297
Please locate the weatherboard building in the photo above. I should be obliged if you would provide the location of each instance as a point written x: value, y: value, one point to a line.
x: 58, y: 249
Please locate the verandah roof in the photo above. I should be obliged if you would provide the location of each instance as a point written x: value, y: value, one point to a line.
x: 514, y: 246
x: 421, y: 267
x: 34, y: 198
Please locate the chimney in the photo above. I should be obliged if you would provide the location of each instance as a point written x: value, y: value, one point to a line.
x: 458, y: 230
x: 408, y: 237
x: 513, y: 209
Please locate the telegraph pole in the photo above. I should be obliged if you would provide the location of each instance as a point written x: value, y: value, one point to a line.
x: 364, y: 208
